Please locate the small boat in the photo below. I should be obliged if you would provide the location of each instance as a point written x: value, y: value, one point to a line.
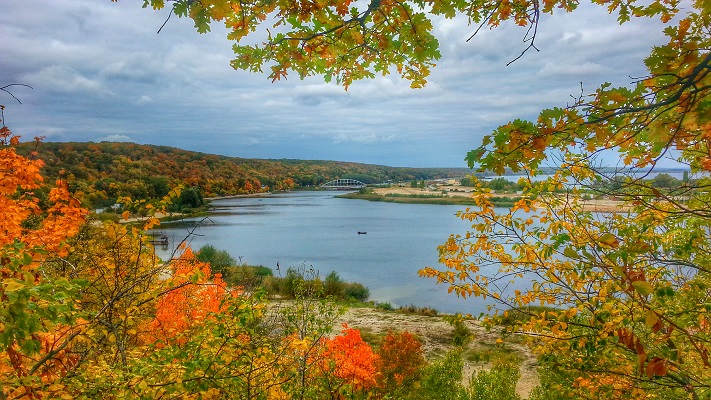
x: 362, y: 233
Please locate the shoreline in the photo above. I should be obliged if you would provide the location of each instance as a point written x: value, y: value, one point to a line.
x: 239, y: 196
x: 405, y: 195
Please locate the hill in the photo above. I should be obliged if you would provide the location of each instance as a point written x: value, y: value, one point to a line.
x: 100, y: 172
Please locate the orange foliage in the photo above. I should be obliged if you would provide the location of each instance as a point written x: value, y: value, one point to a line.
x: 400, y: 358
x: 349, y: 358
x: 18, y: 177
x: 25, y: 222
x: 192, y: 298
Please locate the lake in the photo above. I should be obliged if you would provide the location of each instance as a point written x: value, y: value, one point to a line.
x: 318, y: 230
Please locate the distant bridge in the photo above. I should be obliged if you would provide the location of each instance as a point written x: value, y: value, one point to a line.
x: 343, y: 184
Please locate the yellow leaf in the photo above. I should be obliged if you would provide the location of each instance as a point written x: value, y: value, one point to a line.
x: 650, y: 318
x: 12, y: 285
x: 609, y: 239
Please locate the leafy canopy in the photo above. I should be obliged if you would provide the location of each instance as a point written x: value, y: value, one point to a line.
x: 349, y: 40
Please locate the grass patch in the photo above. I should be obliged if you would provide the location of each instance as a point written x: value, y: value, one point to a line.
x: 484, y: 353
x: 412, y: 309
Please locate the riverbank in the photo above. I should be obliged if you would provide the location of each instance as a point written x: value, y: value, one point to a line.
x: 238, y: 196
x: 463, y: 196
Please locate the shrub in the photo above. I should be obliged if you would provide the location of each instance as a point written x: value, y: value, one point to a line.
x: 356, y: 291
x: 384, y: 306
x: 462, y: 334
x: 442, y: 380
x: 401, y: 361
x: 220, y: 260
x: 413, y: 309
x: 334, y: 286
x: 246, y: 275
x: 499, y: 383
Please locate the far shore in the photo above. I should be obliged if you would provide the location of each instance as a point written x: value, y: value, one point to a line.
x: 239, y: 196
x: 457, y: 195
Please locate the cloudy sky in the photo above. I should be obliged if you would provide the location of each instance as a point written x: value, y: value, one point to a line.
x: 100, y: 72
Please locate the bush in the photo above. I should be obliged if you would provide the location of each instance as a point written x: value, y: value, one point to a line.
x: 301, y: 283
x: 247, y: 276
x: 442, y: 380
x: 220, y: 260
x: 333, y: 285
x: 295, y: 284
x: 499, y: 383
x: 413, y: 309
x: 462, y: 334
x: 356, y: 291
x: 401, y: 360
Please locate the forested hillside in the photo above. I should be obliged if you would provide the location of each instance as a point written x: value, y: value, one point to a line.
x: 101, y: 172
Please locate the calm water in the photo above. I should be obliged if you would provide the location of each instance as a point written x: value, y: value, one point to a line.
x: 316, y: 229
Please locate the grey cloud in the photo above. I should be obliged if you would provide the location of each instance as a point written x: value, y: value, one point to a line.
x: 100, y: 71
x: 64, y: 79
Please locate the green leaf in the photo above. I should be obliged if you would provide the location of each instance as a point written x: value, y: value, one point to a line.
x: 570, y: 253
x: 642, y: 287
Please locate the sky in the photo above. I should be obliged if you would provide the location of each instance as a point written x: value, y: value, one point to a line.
x: 100, y: 72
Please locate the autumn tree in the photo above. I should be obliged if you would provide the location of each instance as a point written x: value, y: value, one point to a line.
x: 400, y: 361
x: 36, y: 310
x: 348, y: 365
x: 349, y: 40
x: 627, y: 290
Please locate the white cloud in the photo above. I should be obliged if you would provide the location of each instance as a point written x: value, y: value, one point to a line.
x: 144, y: 100
x: 115, y: 138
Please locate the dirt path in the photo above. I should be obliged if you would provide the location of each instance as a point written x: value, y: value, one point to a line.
x: 437, y: 336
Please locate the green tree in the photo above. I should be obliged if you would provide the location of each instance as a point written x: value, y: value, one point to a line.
x: 220, y: 260
x: 190, y: 198
x: 333, y: 285
x: 665, y: 181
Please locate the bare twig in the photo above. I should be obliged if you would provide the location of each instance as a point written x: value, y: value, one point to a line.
x: 4, y: 89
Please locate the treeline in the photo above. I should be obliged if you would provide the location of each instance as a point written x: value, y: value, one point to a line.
x: 99, y: 173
